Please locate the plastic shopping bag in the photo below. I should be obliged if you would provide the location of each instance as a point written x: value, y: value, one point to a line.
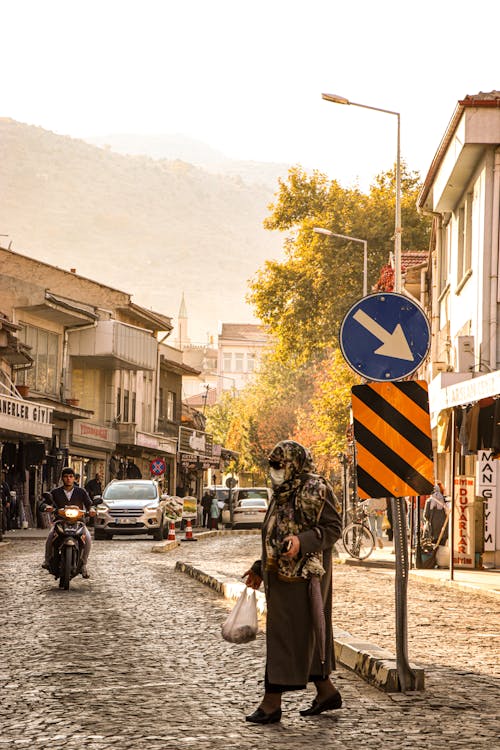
x: 241, y: 625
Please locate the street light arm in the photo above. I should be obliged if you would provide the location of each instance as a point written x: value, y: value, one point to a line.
x: 329, y: 233
x: 342, y: 100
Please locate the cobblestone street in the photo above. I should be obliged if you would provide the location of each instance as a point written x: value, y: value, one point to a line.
x: 133, y: 658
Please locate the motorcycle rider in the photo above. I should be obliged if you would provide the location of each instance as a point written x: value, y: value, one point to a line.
x: 68, y: 494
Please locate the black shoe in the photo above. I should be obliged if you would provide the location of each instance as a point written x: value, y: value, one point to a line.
x: 45, y: 566
x: 260, y: 717
x: 84, y: 571
x: 329, y: 704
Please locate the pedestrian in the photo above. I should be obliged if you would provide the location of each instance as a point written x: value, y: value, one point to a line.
x: 376, y: 508
x: 436, y: 515
x: 94, y: 486
x: 77, y: 480
x: 206, y: 502
x: 300, y: 528
x: 214, y: 512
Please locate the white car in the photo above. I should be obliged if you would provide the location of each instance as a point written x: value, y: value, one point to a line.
x: 131, y: 506
x: 249, y: 507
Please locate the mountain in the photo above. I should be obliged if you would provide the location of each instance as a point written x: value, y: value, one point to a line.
x: 194, y: 152
x: 152, y: 227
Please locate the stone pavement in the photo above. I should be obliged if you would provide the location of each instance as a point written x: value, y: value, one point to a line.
x: 133, y: 658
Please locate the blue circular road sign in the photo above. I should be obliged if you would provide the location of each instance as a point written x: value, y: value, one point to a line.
x: 385, y: 336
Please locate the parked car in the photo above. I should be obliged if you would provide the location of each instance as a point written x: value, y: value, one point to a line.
x: 249, y: 507
x: 131, y: 506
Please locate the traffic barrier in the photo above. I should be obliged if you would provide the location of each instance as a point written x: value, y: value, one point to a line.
x: 171, y: 532
x: 189, y: 533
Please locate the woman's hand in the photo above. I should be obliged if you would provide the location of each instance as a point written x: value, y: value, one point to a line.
x: 293, y: 547
x: 253, y: 581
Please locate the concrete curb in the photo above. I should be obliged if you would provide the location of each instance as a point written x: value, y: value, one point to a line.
x: 165, y: 547
x: 375, y: 665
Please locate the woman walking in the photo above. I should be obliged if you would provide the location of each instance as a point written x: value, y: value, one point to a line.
x: 301, y: 526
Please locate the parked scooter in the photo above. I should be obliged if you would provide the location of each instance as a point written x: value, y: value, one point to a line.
x: 67, y: 548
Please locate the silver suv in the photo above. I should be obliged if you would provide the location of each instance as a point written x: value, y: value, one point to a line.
x: 131, y: 506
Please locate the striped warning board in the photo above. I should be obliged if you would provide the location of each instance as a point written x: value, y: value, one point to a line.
x: 392, y: 430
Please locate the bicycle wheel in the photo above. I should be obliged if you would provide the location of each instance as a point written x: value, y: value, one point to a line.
x: 358, y: 541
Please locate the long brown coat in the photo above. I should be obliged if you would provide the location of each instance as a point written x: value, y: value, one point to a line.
x: 292, y: 656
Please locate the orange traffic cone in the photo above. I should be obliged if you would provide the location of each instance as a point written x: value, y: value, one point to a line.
x: 171, y: 532
x: 189, y: 533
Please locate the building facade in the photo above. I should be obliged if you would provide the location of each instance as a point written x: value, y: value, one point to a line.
x: 462, y: 193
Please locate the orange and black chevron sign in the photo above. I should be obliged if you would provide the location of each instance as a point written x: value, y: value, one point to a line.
x: 392, y: 431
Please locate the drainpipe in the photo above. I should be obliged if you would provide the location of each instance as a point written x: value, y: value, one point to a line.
x: 64, y: 371
x: 494, y: 262
x: 434, y: 304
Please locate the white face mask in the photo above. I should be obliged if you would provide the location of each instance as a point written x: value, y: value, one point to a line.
x: 277, y: 476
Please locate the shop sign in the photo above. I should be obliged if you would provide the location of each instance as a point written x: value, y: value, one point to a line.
x: 25, y: 416
x: 487, y: 489
x: 194, y: 441
x: 166, y: 447
x: 463, y: 530
x: 93, y: 434
x: 147, y: 441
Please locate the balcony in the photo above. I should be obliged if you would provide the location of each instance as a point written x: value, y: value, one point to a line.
x: 114, y: 345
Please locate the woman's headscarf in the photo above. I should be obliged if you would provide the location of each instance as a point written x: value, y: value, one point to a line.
x: 293, y: 457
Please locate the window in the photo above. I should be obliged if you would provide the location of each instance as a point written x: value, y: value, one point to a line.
x: 238, y: 362
x: 464, y: 239
x: 119, y: 405
x: 126, y: 398
x: 42, y: 377
x: 250, y: 362
x: 227, y: 359
x: 170, y: 406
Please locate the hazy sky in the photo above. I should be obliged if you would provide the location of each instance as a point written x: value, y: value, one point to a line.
x: 247, y: 78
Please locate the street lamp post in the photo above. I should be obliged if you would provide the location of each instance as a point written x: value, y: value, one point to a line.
x: 397, y: 230
x: 320, y: 230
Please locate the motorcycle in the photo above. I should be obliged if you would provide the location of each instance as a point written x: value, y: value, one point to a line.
x: 67, y: 548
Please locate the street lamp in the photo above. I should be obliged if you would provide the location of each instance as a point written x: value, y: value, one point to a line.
x: 397, y: 232
x: 320, y: 230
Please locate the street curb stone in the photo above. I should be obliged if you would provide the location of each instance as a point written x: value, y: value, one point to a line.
x: 375, y: 665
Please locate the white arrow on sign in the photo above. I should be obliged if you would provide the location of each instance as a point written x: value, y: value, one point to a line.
x: 393, y: 344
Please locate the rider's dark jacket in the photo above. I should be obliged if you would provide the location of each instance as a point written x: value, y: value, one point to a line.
x: 80, y: 497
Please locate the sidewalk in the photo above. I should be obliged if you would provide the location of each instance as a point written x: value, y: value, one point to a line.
x: 487, y: 580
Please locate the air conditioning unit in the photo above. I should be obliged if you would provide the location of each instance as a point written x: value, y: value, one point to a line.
x: 464, y: 353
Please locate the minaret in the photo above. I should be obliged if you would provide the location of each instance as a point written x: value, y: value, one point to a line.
x: 182, y: 325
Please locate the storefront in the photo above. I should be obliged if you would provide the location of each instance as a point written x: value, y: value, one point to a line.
x: 91, y: 448
x: 25, y: 441
x: 194, y: 458
x: 465, y: 417
x: 137, y: 450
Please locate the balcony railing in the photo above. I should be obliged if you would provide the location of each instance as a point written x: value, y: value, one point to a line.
x: 115, y: 345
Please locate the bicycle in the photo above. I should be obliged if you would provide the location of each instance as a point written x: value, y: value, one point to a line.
x: 357, y: 537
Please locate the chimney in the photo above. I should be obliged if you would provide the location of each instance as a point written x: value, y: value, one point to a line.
x: 72, y: 270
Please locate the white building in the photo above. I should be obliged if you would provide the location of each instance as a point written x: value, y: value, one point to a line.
x: 240, y: 348
x: 462, y: 192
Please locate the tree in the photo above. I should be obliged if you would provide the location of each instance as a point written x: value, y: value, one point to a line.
x: 304, y: 298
